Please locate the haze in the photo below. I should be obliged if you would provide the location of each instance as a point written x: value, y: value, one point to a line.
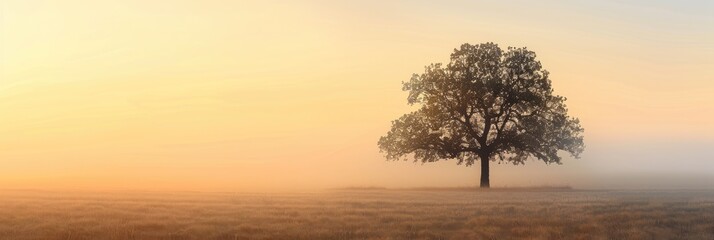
x: 264, y: 96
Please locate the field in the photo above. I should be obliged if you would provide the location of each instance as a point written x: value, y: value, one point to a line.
x: 359, y: 214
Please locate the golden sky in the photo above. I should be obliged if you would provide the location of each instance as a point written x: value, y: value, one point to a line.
x: 276, y: 95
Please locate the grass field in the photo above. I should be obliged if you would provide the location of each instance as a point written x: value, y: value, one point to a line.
x: 364, y: 214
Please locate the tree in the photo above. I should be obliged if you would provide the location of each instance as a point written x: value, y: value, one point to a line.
x: 486, y: 104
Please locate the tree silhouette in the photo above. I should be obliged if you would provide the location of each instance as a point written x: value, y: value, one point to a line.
x: 486, y: 104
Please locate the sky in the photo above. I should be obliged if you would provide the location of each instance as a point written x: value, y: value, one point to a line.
x: 293, y: 95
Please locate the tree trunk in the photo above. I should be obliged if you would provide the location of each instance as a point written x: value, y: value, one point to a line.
x: 485, y: 183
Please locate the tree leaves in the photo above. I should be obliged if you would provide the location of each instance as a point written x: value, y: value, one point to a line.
x: 485, y: 102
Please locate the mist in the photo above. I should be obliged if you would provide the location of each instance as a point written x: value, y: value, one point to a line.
x: 226, y: 97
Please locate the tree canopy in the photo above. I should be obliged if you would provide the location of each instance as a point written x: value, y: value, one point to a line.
x: 486, y: 104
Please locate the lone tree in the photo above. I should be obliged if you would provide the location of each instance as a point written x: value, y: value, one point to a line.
x: 486, y: 104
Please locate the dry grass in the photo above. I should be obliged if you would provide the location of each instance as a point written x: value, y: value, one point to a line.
x: 368, y: 214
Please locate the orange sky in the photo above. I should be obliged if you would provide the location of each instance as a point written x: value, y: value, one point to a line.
x: 232, y: 95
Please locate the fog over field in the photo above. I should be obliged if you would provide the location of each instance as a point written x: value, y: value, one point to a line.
x: 332, y: 119
x: 359, y: 214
